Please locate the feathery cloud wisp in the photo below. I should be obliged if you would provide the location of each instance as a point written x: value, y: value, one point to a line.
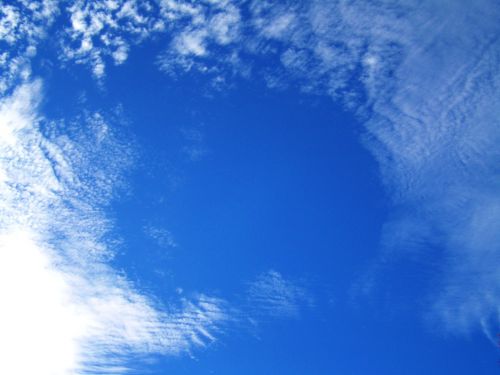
x: 271, y: 295
x: 64, y: 308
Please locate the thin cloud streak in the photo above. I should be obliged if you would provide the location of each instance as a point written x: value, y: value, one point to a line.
x: 270, y: 295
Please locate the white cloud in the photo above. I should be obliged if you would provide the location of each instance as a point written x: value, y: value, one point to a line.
x: 437, y: 124
x: 40, y: 329
x: 191, y: 43
x: 22, y: 26
x: 161, y: 236
x: 105, y: 29
x: 274, y: 21
x: 196, y: 29
x: 271, y: 295
x: 64, y: 311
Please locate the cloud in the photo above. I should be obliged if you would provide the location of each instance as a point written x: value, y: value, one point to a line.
x: 105, y: 29
x: 36, y: 322
x: 22, y: 25
x: 271, y: 295
x: 205, y: 37
x: 195, y: 146
x: 64, y: 308
x: 160, y: 236
x: 435, y: 134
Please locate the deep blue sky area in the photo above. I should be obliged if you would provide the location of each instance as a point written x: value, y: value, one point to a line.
x: 249, y: 187
x: 273, y: 187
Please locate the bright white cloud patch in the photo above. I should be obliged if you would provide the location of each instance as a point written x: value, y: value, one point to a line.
x: 39, y: 324
x: 104, y: 29
x: 63, y: 308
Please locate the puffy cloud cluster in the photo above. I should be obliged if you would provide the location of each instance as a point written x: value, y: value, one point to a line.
x: 106, y: 29
x: 22, y: 25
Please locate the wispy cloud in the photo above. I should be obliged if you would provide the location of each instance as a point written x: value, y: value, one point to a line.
x: 195, y: 146
x: 161, y: 236
x: 105, y: 29
x: 198, y: 28
x: 22, y: 25
x: 435, y: 134
x: 64, y: 308
x: 102, y: 31
x: 273, y: 296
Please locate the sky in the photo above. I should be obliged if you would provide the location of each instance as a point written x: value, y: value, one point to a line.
x: 249, y: 187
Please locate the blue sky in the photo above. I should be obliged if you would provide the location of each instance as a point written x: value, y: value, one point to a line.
x: 249, y: 187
